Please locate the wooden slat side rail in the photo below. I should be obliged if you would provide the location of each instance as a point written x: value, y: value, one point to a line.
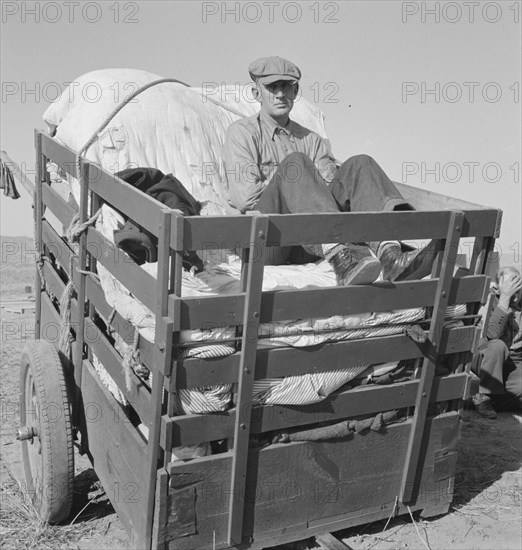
x: 193, y: 429
x: 423, y: 199
x: 138, y: 206
x: 278, y: 362
x: 422, y: 400
x: 292, y: 229
x: 58, y: 206
x: 122, y: 267
x: 62, y: 253
x: 138, y: 396
x: 212, y: 311
x: 247, y: 366
x: 215, y: 232
x: 56, y: 152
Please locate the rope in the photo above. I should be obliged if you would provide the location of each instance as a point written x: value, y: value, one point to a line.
x: 76, y: 228
x: 127, y: 100
x: 91, y: 273
x: 65, y: 340
x: 39, y: 257
x: 416, y: 529
x: 131, y: 361
x: 110, y: 328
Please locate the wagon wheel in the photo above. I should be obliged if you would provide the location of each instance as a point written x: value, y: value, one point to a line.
x: 46, y: 432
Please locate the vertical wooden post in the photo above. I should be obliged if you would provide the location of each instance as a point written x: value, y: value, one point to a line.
x: 176, y: 269
x: 422, y: 400
x: 83, y: 177
x: 162, y: 358
x: 38, y: 213
x: 95, y: 206
x: 247, y: 364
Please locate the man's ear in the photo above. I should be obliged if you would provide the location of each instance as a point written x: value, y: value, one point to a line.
x: 296, y: 88
x: 255, y: 93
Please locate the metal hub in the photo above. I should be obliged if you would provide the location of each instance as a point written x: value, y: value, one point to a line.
x: 27, y: 432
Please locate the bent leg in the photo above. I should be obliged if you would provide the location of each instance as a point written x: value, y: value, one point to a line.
x: 296, y: 188
x: 494, y: 355
x: 512, y: 399
x: 361, y: 185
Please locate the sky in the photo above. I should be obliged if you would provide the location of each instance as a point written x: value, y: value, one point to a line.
x: 431, y: 90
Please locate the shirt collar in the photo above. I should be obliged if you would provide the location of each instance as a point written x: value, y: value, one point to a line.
x: 274, y: 128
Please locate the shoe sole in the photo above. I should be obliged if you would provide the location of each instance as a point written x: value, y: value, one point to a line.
x: 365, y: 272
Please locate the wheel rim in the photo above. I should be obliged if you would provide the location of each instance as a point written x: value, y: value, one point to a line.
x: 33, y: 446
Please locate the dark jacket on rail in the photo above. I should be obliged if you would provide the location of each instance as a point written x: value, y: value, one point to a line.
x: 140, y: 244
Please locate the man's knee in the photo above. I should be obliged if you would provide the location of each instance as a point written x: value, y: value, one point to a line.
x: 297, y: 158
x: 494, y: 348
x: 298, y: 168
x: 360, y: 160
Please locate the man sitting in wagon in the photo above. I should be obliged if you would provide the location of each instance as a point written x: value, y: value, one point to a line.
x: 275, y: 165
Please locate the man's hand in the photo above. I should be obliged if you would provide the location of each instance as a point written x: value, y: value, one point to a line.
x: 509, y: 284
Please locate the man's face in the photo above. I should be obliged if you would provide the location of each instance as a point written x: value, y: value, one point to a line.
x: 277, y: 99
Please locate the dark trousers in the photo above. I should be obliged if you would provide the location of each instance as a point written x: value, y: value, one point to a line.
x: 360, y: 185
x: 501, y: 373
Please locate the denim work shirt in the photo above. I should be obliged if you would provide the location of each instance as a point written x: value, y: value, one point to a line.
x: 255, y: 146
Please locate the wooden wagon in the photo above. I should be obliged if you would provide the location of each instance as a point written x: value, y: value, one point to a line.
x: 247, y: 496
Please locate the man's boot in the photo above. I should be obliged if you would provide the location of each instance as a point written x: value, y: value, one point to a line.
x: 355, y: 264
x: 399, y: 264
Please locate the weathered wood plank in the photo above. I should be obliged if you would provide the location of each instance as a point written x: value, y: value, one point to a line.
x: 138, y: 395
x: 117, y: 452
x: 193, y: 429
x: 422, y: 199
x: 61, y: 251
x: 131, y: 202
x: 56, y: 152
x: 59, y: 207
x: 303, y: 488
x: 272, y: 363
x: 217, y: 311
x: 123, y: 268
x: 226, y: 232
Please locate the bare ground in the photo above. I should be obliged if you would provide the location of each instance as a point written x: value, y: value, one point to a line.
x: 486, y: 511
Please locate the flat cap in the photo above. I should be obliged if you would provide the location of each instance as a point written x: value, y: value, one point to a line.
x: 271, y: 69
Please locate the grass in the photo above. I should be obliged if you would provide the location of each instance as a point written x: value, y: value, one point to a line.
x: 20, y: 526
